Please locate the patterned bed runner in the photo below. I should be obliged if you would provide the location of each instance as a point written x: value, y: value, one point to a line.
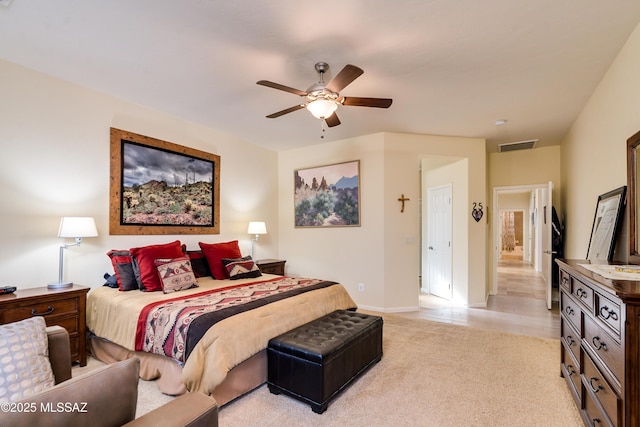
x: 173, y: 327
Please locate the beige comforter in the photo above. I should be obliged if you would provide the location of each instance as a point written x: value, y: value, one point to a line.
x: 113, y: 315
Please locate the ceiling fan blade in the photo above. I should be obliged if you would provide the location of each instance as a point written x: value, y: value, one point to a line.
x: 355, y: 101
x: 348, y: 74
x: 332, y: 120
x: 281, y: 87
x: 285, y: 111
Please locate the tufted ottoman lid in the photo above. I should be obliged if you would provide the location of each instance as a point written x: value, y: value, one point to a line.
x: 322, y: 339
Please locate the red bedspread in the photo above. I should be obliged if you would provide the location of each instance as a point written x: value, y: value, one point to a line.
x: 173, y: 327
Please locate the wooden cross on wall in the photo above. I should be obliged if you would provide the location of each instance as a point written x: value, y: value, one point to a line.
x: 403, y: 199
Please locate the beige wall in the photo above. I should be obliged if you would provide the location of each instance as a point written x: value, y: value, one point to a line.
x: 594, y: 151
x: 384, y: 252
x: 55, y: 162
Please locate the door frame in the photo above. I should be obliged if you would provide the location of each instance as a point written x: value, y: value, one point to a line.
x: 495, y: 218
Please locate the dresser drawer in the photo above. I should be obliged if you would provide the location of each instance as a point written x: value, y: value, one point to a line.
x: 605, y: 346
x: 565, y: 281
x: 571, y: 372
x: 571, y: 311
x: 594, y: 414
x: 594, y: 382
x: 609, y: 312
x: 570, y: 337
x: 49, y: 310
x: 582, y: 293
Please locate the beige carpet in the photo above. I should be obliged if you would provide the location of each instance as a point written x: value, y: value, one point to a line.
x: 431, y: 374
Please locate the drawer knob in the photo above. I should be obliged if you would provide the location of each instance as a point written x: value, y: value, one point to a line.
x: 606, y: 313
x: 571, y: 341
x: 569, y: 310
x: 34, y: 312
x: 595, y: 389
x: 581, y: 293
x: 599, y: 344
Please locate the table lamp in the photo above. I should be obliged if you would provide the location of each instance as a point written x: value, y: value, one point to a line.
x: 73, y: 227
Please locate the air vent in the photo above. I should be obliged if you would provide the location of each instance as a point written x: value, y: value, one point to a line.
x: 514, y: 146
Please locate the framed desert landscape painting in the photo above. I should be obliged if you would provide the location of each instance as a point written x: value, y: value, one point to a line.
x: 158, y: 187
x: 328, y: 196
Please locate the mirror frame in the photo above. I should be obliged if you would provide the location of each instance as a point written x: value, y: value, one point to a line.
x: 633, y: 143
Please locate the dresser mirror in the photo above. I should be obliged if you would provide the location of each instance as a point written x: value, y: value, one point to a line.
x: 633, y: 198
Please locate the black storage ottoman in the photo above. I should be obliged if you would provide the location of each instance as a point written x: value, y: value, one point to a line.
x: 316, y: 361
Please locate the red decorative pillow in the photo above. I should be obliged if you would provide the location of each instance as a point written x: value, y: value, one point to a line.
x: 145, y: 257
x: 123, y: 268
x: 214, y: 252
x: 175, y: 274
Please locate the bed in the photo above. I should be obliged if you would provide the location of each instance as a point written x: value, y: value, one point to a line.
x: 227, y: 358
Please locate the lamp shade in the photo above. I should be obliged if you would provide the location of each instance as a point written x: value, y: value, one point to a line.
x: 322, y: 108
x: 257, y: 227
x: 77, y: 226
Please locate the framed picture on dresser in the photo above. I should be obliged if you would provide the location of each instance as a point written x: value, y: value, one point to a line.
x: 605, y: 225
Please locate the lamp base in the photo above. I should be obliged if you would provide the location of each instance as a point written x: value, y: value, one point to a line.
x: 59, y: 285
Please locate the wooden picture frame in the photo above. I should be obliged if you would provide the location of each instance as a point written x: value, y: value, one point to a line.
x: 327, y: 196
x: 605, y: 225
x: 158, y: 187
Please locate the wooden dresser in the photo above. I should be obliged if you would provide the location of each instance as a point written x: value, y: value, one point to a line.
x: 600, y: 352
x: 65, y: 307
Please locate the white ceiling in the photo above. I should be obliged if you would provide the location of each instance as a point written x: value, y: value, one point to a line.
x: 452, y: 67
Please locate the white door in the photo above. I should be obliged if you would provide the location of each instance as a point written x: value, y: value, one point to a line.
x: 547, y: 240
x: 438, y: 240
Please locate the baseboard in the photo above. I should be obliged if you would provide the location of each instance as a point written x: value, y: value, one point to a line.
x: 389, y: 310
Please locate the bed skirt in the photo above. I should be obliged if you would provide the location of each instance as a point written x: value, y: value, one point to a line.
x: 240, y: 380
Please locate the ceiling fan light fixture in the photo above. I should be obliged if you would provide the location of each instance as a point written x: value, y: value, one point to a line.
x: 322, y: 108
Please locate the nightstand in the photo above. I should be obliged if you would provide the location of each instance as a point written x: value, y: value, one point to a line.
x: 271, y: 266
x: 65, y: 307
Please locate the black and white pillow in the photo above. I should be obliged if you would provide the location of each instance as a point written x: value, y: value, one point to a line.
x: 241, y: 268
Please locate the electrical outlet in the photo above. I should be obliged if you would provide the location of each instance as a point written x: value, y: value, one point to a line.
x: 361, y: 287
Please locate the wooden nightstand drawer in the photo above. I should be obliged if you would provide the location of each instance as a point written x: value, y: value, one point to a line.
x: 47, y: 309
x: 271, y: 266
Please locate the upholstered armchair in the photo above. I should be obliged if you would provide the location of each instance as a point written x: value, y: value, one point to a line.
x: 106, y: 396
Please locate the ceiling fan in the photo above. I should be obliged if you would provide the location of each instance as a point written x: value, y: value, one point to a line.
x: 323, y: 99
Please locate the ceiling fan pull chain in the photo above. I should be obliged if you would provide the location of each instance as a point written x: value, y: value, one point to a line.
x: 322, y: 129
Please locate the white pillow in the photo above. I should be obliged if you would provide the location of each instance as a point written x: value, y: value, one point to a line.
x: 24, y: 359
